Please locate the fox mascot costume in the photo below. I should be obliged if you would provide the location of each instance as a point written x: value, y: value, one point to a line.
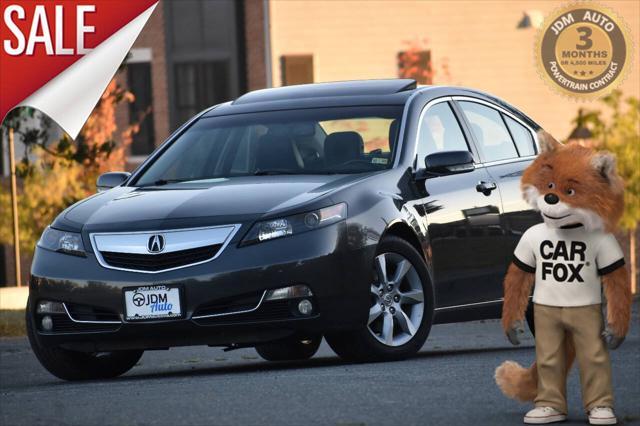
x: 571, y: 258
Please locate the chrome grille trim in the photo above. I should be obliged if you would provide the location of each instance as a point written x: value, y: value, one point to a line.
x: 224, y: 314
x: 177, y: 240
x: 64, y: 305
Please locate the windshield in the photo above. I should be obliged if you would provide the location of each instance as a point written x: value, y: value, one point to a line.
x: 308, y: 141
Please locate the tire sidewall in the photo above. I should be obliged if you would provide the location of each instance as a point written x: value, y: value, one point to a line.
x: 72, y: 365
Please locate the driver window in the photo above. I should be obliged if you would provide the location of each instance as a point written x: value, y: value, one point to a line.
x: 439, y: 131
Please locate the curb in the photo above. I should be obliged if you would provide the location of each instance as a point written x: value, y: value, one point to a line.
x: 13, y: 298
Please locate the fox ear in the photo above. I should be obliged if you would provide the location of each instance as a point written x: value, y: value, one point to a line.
x: 605, y: 164
x: 547, y: 142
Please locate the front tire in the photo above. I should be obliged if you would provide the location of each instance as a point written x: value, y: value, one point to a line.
x: 401, y: 309
x: 291, y: 349
x: 73, y: 365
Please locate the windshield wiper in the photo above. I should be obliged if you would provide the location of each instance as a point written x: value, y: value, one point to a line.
x: 266, y: 172
x: 161, y: 182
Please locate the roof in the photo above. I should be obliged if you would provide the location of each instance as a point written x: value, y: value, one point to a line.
x: 348, y: 93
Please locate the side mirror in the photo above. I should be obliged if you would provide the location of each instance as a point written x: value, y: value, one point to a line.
x: 110, y: 180
x: 448, y: 162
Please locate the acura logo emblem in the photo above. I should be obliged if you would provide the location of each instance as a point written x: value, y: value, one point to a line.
x: 155, y: 243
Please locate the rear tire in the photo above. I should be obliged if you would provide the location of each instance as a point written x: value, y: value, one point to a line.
x: 414, y: 295
x: 74, y: 365
x: 291, y: 349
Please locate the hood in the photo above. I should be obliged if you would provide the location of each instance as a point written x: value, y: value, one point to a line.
x: 202, y: 203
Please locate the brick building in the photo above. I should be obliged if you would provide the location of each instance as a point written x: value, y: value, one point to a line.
x: 487, y: 45
x: 190, y: 55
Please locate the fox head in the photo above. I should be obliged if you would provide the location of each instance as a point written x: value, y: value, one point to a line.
x: 571, y: 184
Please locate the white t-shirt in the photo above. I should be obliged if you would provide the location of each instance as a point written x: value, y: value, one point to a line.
x: 568, y: 263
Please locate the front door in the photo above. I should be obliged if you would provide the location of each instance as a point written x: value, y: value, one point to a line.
x: 506, y: 146
x: 462, y: 217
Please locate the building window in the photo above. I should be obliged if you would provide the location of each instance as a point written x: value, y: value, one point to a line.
x: 205, y: 54
x: 199, y: 85
x: 296, y: 69
x: 415, y: 64
x: 141, y: 110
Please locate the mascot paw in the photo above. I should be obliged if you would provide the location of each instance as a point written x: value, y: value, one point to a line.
x: 612, y: 341
x: 514, y: 333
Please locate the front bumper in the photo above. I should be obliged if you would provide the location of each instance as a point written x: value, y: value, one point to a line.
x: 338, y: 274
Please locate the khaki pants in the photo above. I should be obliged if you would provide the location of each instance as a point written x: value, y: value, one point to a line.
x: 584, y: 325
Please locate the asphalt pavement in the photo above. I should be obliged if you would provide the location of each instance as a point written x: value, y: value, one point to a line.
x: 450, y: 382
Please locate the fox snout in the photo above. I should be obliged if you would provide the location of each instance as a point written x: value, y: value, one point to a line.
x: 551, y: 198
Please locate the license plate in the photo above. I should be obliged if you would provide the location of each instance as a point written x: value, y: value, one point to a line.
x: 152, y: 302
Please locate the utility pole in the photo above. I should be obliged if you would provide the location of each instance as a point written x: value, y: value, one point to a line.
x: 14, y: 205
x: 633, y: 261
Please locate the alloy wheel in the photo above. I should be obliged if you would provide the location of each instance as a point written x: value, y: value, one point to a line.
x: 397, y: 300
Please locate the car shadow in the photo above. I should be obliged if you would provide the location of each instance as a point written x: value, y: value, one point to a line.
x: 260, y: 366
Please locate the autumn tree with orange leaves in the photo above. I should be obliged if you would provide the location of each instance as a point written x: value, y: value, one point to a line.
x: 416, y: 61
x: 56, y: 174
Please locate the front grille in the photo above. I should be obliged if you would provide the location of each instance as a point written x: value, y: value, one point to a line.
x: 158, y: 262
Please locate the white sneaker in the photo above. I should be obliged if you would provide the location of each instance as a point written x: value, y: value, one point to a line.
x: 544, y: 415
x: 602, y: 416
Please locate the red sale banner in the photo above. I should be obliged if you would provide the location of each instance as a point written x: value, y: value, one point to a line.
x: 58, y: 56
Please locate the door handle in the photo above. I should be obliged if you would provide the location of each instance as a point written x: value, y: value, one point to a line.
x: 486, y: 187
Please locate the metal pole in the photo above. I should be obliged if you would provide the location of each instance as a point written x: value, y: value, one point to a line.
x: 14, y: 204
x: 633, y: 261
x: 266, y: 27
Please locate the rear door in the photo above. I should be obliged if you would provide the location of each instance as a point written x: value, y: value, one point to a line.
x: 506, y: 146
x: 463, y: 222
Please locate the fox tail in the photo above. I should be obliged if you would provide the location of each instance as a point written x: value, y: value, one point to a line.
x: 516, y: 381
x: 520, y: 383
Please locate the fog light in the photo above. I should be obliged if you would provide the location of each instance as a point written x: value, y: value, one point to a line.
x: 47, y: 323
x: 305, y: 307
x: 290, y: 292
x: 47, y: 307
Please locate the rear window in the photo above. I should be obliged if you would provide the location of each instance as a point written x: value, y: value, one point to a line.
x: 521, y: 136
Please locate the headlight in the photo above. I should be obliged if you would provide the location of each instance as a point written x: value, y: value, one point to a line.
x: 296, y: 224
x: 65, y: 242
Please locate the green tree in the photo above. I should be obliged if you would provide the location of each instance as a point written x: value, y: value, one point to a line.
x: 617, y: 129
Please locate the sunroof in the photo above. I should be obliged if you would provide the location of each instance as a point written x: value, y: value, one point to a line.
x: 320, y: 90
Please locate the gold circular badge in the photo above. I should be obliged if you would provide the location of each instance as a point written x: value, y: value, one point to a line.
x: 584, y: 50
